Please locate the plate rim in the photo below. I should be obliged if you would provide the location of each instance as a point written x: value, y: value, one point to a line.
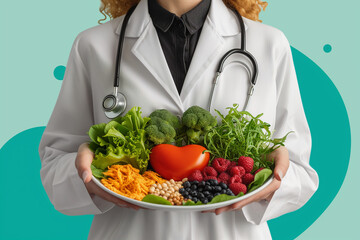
x: 203, y: 207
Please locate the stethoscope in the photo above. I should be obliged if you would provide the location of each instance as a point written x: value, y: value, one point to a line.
x: 115, y: 104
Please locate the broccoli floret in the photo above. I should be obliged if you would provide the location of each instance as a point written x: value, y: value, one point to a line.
x: 162, y: 127
x: 198, y: 122
x: 167, y: 116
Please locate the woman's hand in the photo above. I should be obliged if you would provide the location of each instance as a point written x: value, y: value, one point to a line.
x: 281, y: 158
x: 83, y: 163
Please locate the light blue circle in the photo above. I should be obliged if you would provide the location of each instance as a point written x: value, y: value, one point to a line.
x: 59, y: 72
x: 327, y: 48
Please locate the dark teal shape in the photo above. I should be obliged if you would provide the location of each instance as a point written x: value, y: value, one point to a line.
x: 59, y: 72
x: 26, y: 212
x: 331, y: 143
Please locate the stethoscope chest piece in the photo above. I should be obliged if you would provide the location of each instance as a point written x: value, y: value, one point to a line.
x: 114, y: 104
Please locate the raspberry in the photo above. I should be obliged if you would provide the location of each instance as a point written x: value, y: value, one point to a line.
x: 236, y: 188
x: 232, y: 164
x: 209, y: 171
x: 237, y: 170
x: 220, y: 164
x: 224, y: 177
x: 247, y: 178
x: 196, y: 176
x: 258, y: 170
x: 210, y: 177
x: 247, y: 163
x: 235, y: 179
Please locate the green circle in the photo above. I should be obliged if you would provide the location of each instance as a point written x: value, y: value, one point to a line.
x: 327, y: 48
x: 59, y: 72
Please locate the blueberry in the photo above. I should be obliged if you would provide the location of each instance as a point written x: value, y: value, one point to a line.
x: 194, y: 193
x: 194, y: 183
x: 200, y: 189
x: 204, y: 200
x: 215, y: 194
x: 213, y: 182
x: 189, y: 197
x: 209, y: 198
x: 193, y: 187
x: 217, y: 188
x: 186, y: 184
x: 223, y: 185
x: 201, y: 195
x: 208, y: 188
x: 206, y: 193
x: 223, y: 191
x: 181, y: 190
x: 228, y: 192
x: 207, y: 183
x: 195, y: 199
x: 202, y: 184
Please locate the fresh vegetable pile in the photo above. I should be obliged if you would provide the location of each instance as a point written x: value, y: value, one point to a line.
x: 194, y: 159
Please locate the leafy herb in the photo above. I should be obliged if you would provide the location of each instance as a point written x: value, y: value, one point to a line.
x: 259, y: 179
x: 121, y: 141
x: 242, y: 134
x: 150, y: 198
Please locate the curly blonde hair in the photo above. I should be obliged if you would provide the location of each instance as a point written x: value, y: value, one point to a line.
x: 247, y: 8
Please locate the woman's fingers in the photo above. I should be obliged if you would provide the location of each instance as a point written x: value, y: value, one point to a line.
x: 281, y: 158
x: 83, y: 162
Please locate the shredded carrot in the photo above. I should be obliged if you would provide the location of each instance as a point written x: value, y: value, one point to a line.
x: 127, y: 181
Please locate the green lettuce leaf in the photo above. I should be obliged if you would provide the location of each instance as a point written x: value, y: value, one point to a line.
x: 121, y: 141
x: 150, y: 198
x: 224, y: 197
x: 192, y: 203
x: 98, y: 173
x: 96, y: 131
x: 259, y: 179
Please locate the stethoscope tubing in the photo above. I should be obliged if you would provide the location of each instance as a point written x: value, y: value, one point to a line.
x: 114, y: 108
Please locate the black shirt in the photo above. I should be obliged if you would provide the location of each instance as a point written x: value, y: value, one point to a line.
x: 178, y: 36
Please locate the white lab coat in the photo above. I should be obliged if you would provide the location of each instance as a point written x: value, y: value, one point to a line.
x: 147, y: 82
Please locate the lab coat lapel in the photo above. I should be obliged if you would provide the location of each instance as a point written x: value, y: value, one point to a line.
x: 148, y: 50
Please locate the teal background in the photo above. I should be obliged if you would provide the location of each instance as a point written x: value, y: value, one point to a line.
x: 37, y: 37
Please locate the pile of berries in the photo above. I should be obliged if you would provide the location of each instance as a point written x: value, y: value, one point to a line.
x: 204, y: 191
x: 237, y: 176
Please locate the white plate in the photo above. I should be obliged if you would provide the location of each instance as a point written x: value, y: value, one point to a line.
x: 181, y: 208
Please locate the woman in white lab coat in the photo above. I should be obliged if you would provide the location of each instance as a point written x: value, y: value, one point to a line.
x: 147, y: 82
